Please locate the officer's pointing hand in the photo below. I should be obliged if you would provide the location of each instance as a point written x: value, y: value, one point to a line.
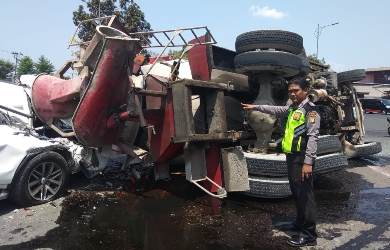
x: 248, y: 106
x: 307, y: 170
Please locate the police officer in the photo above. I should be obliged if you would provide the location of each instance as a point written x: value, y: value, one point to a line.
x: 301, y: 125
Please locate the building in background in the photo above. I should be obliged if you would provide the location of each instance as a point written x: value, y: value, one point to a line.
x: 375, y: 84
x: 377, y: 75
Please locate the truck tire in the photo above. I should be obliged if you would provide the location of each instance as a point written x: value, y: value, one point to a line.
x: 366, y: 149
x: 280, y: 63
x: 351, y: 76
x: 271, y: 165
x: 329, y: 163
x: 269, y: 39
x: 328, y: 144
x: 263, y: 187
x: 274, y: 165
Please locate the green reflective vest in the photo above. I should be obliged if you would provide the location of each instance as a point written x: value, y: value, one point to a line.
x: 294, y: 131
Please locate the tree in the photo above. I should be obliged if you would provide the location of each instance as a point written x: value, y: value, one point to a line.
x: 176, y: 54
x: 43, y: 66
x: 314, y: 59
x: 26, y: 66
x: 6, y: 67
x: 128, y: 12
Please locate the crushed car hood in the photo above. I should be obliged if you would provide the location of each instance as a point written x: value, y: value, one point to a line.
x: 16, y: 143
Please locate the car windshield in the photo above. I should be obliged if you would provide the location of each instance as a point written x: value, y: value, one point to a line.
x: 386, y: 102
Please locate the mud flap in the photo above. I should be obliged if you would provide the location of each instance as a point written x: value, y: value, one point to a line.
x: 235, y: 170
x: 195, y: 161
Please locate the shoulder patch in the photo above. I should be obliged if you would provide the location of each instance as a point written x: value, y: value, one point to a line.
x: 312, y: 115
x: 297, y: 116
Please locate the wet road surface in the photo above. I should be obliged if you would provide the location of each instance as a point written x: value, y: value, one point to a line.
x: 353, y: 213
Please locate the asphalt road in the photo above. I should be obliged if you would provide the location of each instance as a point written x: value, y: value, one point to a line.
x: 376, y: 126
x: 353, y: 213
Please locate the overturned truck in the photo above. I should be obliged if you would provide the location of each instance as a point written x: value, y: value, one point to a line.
x: 115, y: 105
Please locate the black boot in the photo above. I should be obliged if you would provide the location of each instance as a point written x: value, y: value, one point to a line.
x: 302, y: 240
x: 291, y: 226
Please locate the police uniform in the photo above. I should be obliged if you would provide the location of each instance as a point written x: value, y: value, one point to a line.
x: 301, y: 128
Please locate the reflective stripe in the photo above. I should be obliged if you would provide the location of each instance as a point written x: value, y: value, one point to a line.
x: 300, y: 130
x: 299, y: 144
x: 287, y: 137
x: 295, y: 126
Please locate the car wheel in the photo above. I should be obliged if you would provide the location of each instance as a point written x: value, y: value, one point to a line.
x: 41, y: 179
x: 269, y: 39
x: 279, y: 63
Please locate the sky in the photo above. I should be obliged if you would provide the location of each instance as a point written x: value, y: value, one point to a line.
x: 360, y: 40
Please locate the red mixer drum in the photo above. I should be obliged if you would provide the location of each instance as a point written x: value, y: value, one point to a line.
x: 102, y: 96
x: 53, y: 97
x: 107, y: 90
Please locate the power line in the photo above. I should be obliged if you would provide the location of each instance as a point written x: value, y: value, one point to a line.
x: 319, y: 31
x: 5, y: 51
x: 17, y: 56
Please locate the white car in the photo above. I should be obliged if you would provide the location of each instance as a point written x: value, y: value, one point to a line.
x: 34, y: 169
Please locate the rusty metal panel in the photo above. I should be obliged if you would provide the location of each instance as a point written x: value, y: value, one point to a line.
x: 198, y: 58
x: 199, y: 113
x: 203, y: 84
x: 153, y: 84
x: 235, y: 170
x: 215, y: 110
x: 161, y: 146
x: 195, y: 161
x: 91, y: 53
x: 184, y: 122
x: 237, y: 82
x: 231, y: 136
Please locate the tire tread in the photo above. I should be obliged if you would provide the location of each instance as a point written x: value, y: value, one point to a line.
x: 269, y: 39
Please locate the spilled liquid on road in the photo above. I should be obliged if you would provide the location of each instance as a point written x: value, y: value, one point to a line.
x: 175, y: 215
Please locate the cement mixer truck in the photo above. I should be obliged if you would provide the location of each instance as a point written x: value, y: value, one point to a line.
x: 190, y: 111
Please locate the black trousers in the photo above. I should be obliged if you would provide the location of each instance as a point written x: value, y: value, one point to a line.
x: 303, y: 195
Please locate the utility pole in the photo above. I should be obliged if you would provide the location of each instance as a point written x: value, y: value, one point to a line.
x: 100, y: 11
x: 17, y: 56
x: 318, y: 32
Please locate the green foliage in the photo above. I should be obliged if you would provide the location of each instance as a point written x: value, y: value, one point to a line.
x: 129, y: 13
x: 6, y: 67
x: 313, y: 58
x: 25, y: 66
x: 43, y: 66
x: 176, y: 54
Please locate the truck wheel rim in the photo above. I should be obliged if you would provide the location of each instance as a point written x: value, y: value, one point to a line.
x: 45, y: 181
